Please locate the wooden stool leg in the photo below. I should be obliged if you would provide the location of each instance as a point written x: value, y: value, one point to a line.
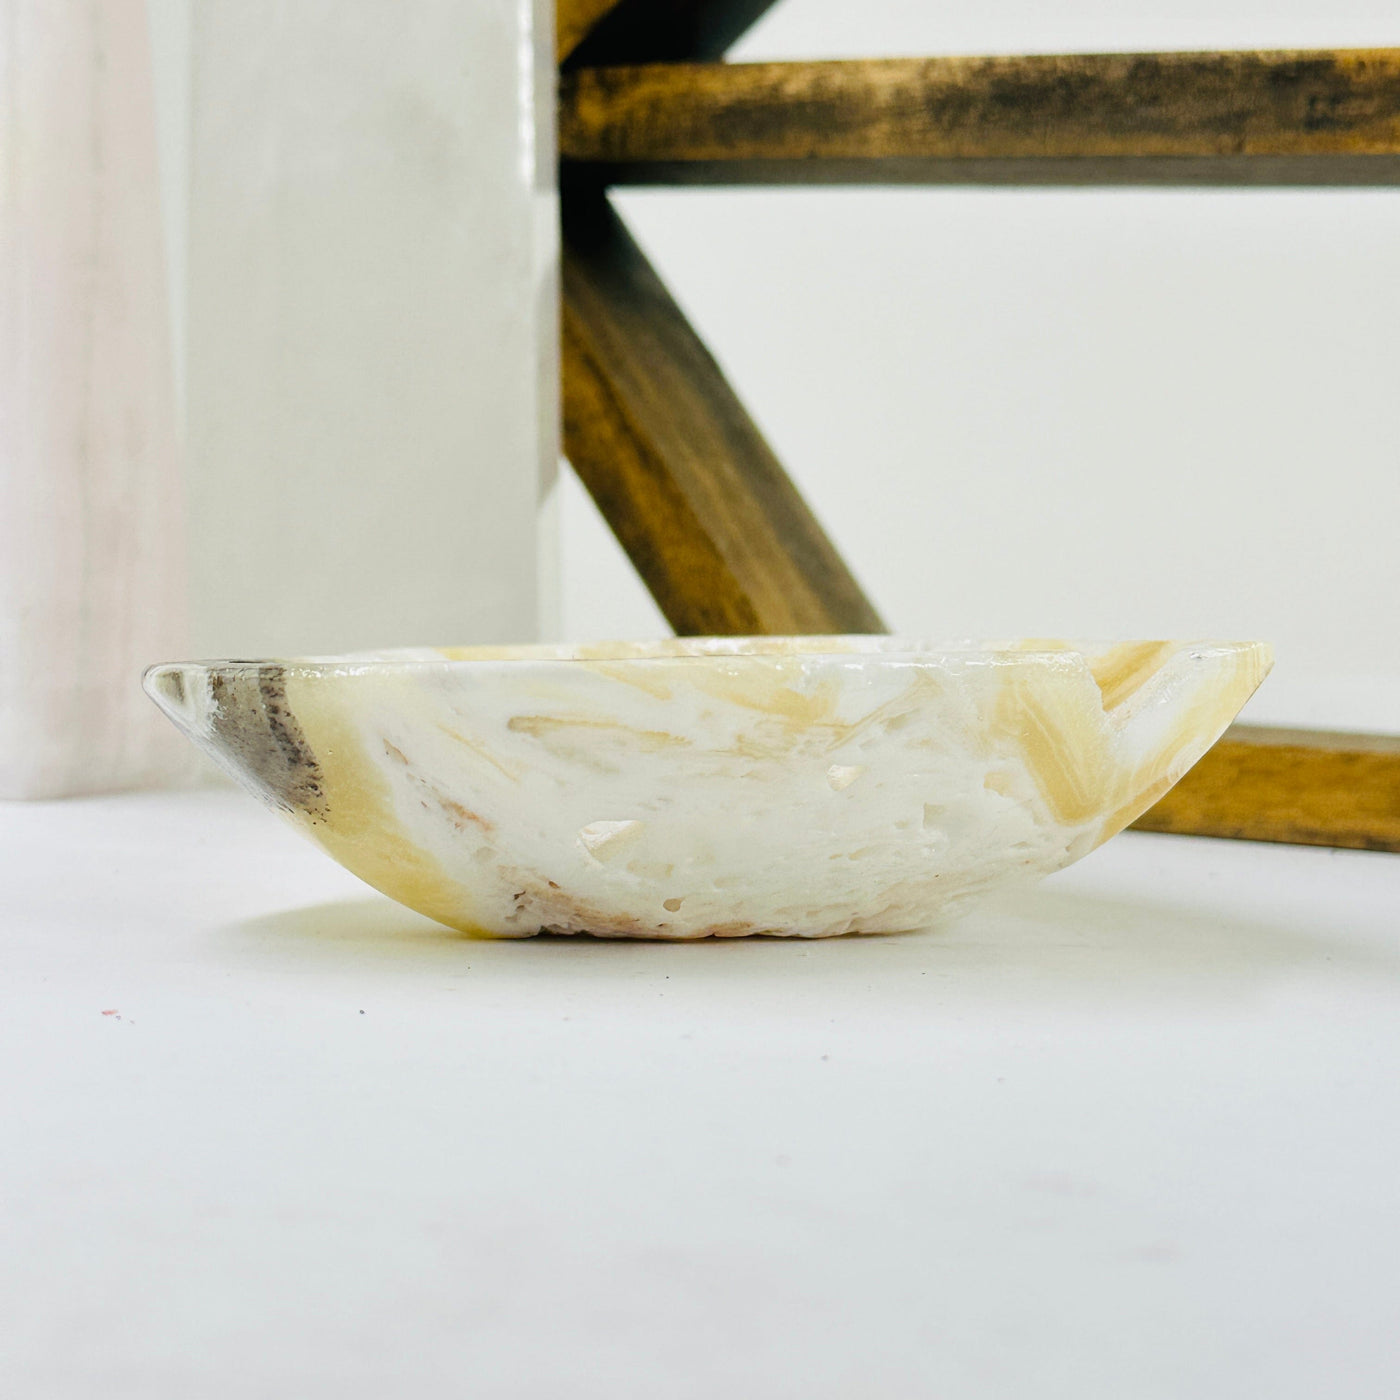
x: 703, y: 508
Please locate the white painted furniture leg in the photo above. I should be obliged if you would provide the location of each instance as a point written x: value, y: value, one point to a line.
x: 372, y: 322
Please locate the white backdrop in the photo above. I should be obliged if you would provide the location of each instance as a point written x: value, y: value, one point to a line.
x: 1080, y: 412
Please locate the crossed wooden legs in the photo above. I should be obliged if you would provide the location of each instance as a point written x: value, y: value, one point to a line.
x: 704, y: 509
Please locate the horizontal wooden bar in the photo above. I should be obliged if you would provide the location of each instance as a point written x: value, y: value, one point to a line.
x: 1289, y: 118
x: 1307, y: 787
x: 1257, y: 172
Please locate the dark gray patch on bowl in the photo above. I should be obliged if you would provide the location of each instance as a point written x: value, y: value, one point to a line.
x: 173, y: 685
x: 260, y: 740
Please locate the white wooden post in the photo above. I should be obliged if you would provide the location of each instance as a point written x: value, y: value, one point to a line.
x: 372, y: 322
x: 365, y: 273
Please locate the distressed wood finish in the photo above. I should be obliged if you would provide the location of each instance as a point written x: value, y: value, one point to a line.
x: 694, y: 494
x: 717, y: 531
x: 603, y: 32
x: 1302, y: 786
x: 1329, y: 117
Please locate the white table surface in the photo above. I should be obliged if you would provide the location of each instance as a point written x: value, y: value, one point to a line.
x: 265, y: 1134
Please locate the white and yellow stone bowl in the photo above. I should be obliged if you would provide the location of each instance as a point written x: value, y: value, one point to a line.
x: 805, y: 786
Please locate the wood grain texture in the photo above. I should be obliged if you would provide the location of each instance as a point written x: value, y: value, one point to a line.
x: 604, y: 32
x: 1328, y: 117
x: 1306, y: 787
x: 704, y: 510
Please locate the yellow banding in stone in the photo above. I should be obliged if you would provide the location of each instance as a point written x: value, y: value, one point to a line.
x: 1216, y: 703
x: 1055, y: 720
x: 1123, y: 670
x: 361, y: 829
x: 1062, y: 730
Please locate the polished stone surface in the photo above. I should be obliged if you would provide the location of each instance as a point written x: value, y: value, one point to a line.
x: 705, y: 787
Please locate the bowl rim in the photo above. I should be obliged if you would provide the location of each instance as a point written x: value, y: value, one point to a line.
x: 849, y: 649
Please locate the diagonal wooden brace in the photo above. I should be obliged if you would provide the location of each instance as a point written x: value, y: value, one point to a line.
x: 704, y: 509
